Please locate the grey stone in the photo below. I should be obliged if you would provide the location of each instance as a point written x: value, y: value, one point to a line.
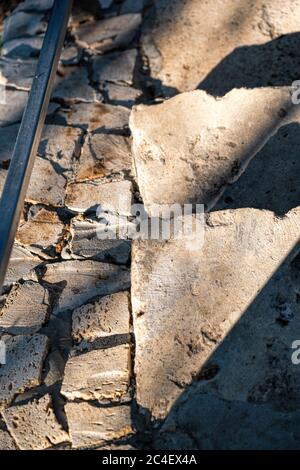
x: 34, y: 425
x: 122, y: 95
x: 35, y: 5
x: 74, y: 88
x: 23, y: 48
x: 46, y: 186
x: 133, y: 6
x: 25, y: 309
x: 115, y: 67
x: 12, y: 108
x: 21, y: 265
x: 6, y: 441
x: 102, y: 375
x: 191, y: 146
x: 107, y: 316
x: 90, y: 425
x: 199, y: 313
x: 23, y: 369
x: 8, y: 136
x: 70, y: 55
x: 22, y: 23
x: 108, y: 34
x: 82, y: 281
x: 105, y: 3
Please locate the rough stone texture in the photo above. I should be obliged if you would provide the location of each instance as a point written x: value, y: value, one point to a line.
x: 23, y: 368
x: 85, y: 243
x: 102, y: 375
x: 110, y: 33
x: 115, y: 196
x: 8, y: 137
x: 21, y: 265
x: 90, y: 425
x: 43, y: 229
x: 103, y: 155
x: 108, y: 316
x: 18, y: 73
x: 22, y: 23
x: 122, y: 95
x: 97, y: 116
x: 34, y: 425
x: 191, y: 146
x: 35, y: 5
x: 115, y: 67
x: 187, y: 40
x: 186, y: 303
x: 74, y: 87
x: 23, y: 48
x: 25, y: 309
x: 81, y: 281
x: 70, y: 55
x: 11, y: 110
x: 46, y: 186
x: 6, y: 441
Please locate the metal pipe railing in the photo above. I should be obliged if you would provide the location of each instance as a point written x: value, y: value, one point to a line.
x: 20, y: 169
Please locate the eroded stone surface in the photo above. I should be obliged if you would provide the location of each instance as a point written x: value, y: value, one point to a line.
x: 6, y: 441
x: 34, y: 425
x: 23, y: 23
x: 23, y: 48
x: 107, y: 316
x: 81, y: 281
x: 74, y: 87
x: 25, y: 309
x: 23, y: 368
x: 115, y: 67
x: 90, y: 425
x: 198, y: 315
x: 191, y: 146
x: 122, y: 95
x: 21, y: 265
x: 18, y: 73
x: 46, y: 186
x: 110, y: 33
x: 102, y: 375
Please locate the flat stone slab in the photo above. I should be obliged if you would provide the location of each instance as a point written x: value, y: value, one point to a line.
x: 90, y: 425
x: 115, y: 67
x: 88, y: 195
x: 46, y: 186
x: 133, y: 6
x: 6, y: 441
x: 103, y: 155
x: 23, y: 23
x: 185, y: 43
x: 107, y: 316
x: 25, y: 309
x: 35, y: 5
x: 216, y: 314
x: 190, y: 147
x: 111, y: 33
x: 86, y: 243
x: 82, y: 281
x: 8, y: 136
x: 103, y: 374
x: 74, y: 88
x: 23, y: 48
x: 18, y: 73
x: 24, y: 362
x: 121, y: 94
x: 34, y: 425
x: 12, y: 108
x: 21, y: 265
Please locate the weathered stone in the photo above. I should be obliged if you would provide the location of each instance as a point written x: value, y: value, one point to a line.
x: 191, y: 146
x: 133, y: 6
x: 23, y: 368
x: 82, y: 281
x: 46, y: 185
x: 6, y: 441
x: 11, y: 110
x: 22, y: 23
x: 110, y: 33
x: 70, y: 55
x: 35, y: 5
x: 74, y: 88
x: 115, y: 67
x: 103, y: 374
x: 90, y: 425
x: 34, y: 425
x: 25, y: 309
x: 21, y: 265
x: 115, y: 196
x: 187, y: 41
x: 120, y: 94
x: 86, y: 243
x: 23, y: 48
x: 103, y: 155
x: 43, y: 229
x: 192, y: 309
x: 8, y: 136
x: 97, y: 116
x: 108, y: 316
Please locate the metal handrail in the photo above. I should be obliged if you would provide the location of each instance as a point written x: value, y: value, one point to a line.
x: 20, y: 169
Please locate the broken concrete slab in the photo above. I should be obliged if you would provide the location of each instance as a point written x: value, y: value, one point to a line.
x: 90, y: 425
x: 12, y: 106
x: 23, y: 23
x: 184, y: 42
x: 190, y: 147
x: 34, y: 425
x: 192, y: 309
x: 103, y: 375
x: 115, y: 67
x: 25, y: 309
x: 25, y: 355
x: 23, y: 48
x: 120, y: 94
x: 99, y: 117
x: 21, y: 265
x: 74, y: 87
x: 6, y: 441
x: 115, y: 196
x: 46, y: 186
x: 42, y: 230
x: 107, y: 316
x: 103, y: 155
x: 81, y: 281
x: 86, y: 243
x: 110, y: 33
